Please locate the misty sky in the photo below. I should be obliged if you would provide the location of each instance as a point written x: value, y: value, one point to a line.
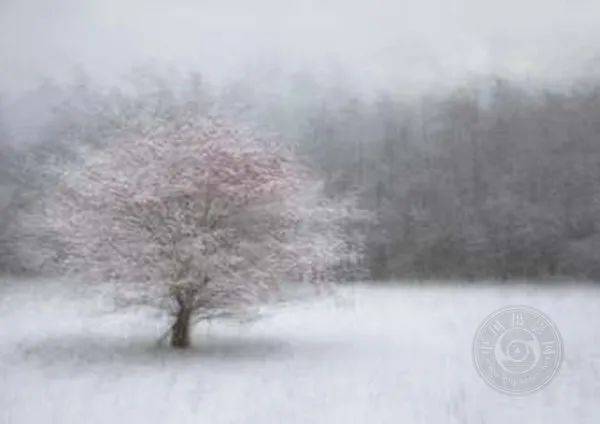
x: 382, y: 42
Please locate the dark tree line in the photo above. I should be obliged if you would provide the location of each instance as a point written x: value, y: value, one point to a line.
x: 489, y: 180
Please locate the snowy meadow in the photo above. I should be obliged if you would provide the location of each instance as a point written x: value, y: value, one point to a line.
x: 396, y: 352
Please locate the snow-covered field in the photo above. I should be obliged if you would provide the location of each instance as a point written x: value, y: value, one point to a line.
x: 383, y: 354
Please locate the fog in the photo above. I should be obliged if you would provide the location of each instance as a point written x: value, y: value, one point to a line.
x: 314, y: 204
x: 470, y: 128
x: 379, y: 44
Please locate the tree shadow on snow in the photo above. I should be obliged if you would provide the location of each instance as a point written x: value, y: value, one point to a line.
x: 96, y: 350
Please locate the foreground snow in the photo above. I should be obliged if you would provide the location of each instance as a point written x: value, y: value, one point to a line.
x: 385, y: 354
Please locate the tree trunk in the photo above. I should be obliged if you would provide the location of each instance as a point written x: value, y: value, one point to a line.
x: 180, y: 331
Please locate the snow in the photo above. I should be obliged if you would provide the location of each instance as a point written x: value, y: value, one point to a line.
x: 396, y: 353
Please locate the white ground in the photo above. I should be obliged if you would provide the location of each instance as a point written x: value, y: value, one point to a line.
x: 367, y: 355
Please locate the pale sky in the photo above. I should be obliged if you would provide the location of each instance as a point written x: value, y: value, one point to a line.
x: 381, y: 42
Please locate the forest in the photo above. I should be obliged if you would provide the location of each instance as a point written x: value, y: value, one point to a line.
x: 490, y: 179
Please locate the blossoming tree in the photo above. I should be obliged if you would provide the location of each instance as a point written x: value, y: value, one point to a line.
x: 199, y: 218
